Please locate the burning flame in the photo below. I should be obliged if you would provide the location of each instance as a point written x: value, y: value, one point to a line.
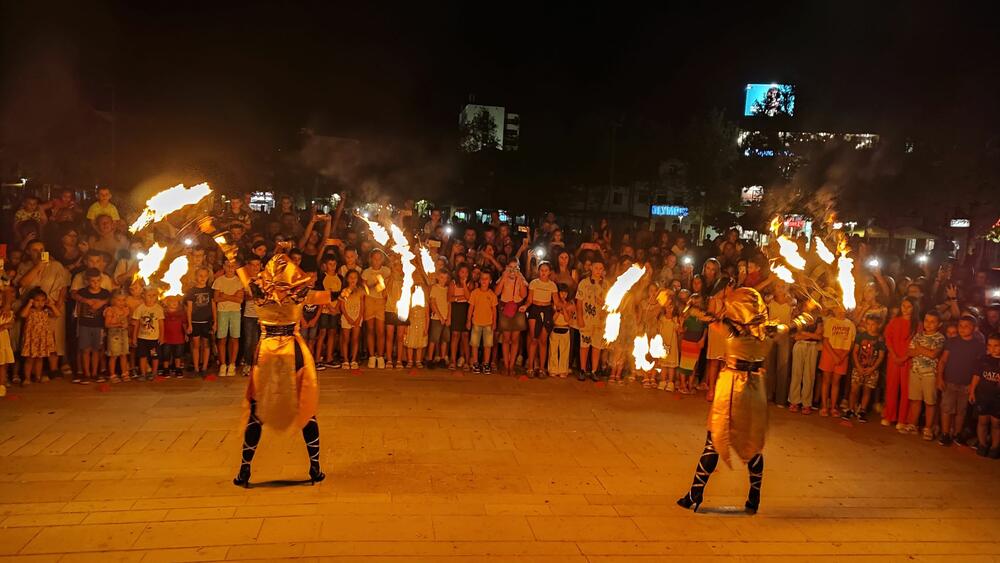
x: 845, y: 276
x: 379, y: 233
x: 790, y: 252
x: 640, y: 348
x: 167, y: 201
x: 426, y: 261
x: 775, y: 225
x: 150, y: 263
x: 614, y: 299
x: 823, y: 252
x: 402, y: 247
x: 418, y: 297
x: 783, y: 273
x: 656, y: 347
x: 172, y: 277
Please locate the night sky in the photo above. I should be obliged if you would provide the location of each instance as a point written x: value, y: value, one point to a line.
x: 250, y: 74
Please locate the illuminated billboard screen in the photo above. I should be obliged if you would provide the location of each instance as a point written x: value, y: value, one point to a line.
x: 770, y: 100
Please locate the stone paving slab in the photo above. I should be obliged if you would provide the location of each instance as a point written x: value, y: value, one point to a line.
x: 444, y: 467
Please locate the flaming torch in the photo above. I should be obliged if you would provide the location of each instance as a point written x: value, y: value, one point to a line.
x: 823, y: 252
x: 845, y: 276
x: 614, y: 299
x: 402, y: 247
x: 426, y: 261
x: 166, y: 202
x: 790, y: 252
x: 172, y: 277
x: 149, y: 262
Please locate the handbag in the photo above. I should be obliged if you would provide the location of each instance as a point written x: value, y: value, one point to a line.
x: 509, y: 309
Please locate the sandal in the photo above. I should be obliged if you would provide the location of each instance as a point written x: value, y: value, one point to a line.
x: 452, y: 367
x: 420, y: 365
x: 115, y: 379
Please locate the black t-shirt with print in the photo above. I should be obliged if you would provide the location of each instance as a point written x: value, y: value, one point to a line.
x: 89, y: 316
x: 201, y: 303
x: 989, y: 378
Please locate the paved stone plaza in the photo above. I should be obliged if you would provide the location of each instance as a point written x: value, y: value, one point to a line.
x: 438, y: 466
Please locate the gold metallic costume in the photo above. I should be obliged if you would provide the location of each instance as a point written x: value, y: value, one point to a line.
x: 283, y: 391
x: 738, y: 417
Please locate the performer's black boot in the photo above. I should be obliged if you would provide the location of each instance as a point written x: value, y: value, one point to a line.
x: 756, y: 468
x: 706, y: 465
x: 310, y: 433
x: 251, y: 437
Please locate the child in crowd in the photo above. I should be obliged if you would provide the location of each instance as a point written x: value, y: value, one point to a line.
x: 228, y: 299
x: 6, y: 350
x: 116, y: 323
x: 459, y: 290
x: 481, y: 320
x: 590, y: 295
x: 868, y: 355
x: 146, y: 333
x: 309, y: 329
x: 38, y: 339
x: 395, y: 327
x: 439, y: 331
x: 984, y: 392
x: 838, y: 337
x: 559, y: 341
x: 329, y: 315
x: 668, y: 328
x: 174, y: 337
x: 375, y: 277
x: 91, y: 301
x: 925, y: 349
x: 804, y: 354
x: 352, y: 308
x: 201, y: 319
x: 132, y: 301
x: 543, y: 295
x: 416, y: 333
x: 694, y: 333
x: 962, y: 357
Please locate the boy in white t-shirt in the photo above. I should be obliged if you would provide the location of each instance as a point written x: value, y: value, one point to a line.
x: 228, y: 298
x: 147, y: 331
x: 438, y: 331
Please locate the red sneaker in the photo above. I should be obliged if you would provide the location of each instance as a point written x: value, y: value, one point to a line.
x: 793, y: 408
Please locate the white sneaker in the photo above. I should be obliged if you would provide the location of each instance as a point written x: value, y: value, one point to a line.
x: 371, y: 362
x: 346, y: 365
x: 380, y: 363
x: 232, y: 370
x: 885, y: 422
x: 3, y: 390
x: 670, y: 386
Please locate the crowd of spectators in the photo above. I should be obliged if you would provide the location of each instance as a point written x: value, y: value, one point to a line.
x: 921, y: 349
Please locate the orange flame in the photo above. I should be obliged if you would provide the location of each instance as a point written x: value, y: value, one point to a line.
x: 167, y: 201
x: 418, y: 298
x: 790, y: 252
x: 379, y: 233
x: 402, y: 247
x: 656, y: 347
x: 172, y: 277
x: 426, y: 261
x: 640, y: 349
x: 775, y: 225
x: 783, y: 273
x: 150, y: 262
x: 823, y: 252
x: 845, y: 276
x: 614, y: 299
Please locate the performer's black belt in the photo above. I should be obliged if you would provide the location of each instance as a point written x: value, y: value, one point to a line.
x: 743, y: 365
x: 278, y: 330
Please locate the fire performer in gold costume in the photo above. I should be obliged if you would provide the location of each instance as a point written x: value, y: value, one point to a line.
x: 283, y: 392
x: 738, y: 417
